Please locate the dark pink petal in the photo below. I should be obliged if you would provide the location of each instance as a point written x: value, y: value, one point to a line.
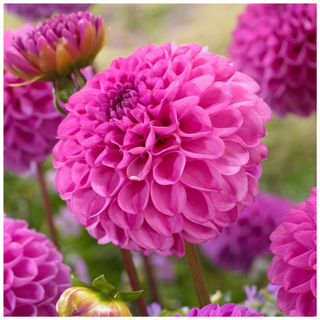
x: 286, y: 300
x: 202, y: 175
x: 170, y: 199
x: 29, y: 294
x: 306, y: 305
x: 133, y: 198
x: 199, y: 208
x: 297, y: 280
x: 12, y: 254
x: 313, y: 285
x: 297, y: 255
x: 25, y: 311
x: 177, y: 249
x: 166, y: 144
x: 47, y: 272
x: 80, y: 173
x: 163, y: 224
x: 169, y: 170
x: 139, y: 168
x: 105, y: 181
x: 246, y: 82
x: 88, y: 203
x: 9, y: 303
x: 24, y: 272
x: 7, y: 279
x: 304, y: 232
x: 277, y: 270
x: 239, y: 184
x: 122, y: 219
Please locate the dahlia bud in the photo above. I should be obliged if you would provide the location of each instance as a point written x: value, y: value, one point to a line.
x: 57, y: 47
x: 94, y: 301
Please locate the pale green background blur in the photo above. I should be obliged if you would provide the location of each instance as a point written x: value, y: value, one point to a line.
x: 290, y: 169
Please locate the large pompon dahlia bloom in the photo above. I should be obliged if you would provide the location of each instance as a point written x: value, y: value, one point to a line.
x: 57, y: 47
x: 294, y: 265
x: 161, y: 147
x: 247, y: 238
x: 34, y: 276
x: 34, y: 11
x: 227, y: 310
x: 275, y: 44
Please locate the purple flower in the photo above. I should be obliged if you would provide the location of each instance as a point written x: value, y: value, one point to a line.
x: 247, y: 238
x: 34, y: 11
x: 164, y: 268
x: 275, y: 44
x: 79, y: 266
x: 34, y: 275
x: 159, y: 148
x: 154, y: 309
x: 227, y: 310
x: 66, y: 223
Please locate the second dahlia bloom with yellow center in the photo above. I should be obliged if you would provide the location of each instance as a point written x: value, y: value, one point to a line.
x: 162, y: 146
x: 56, y: 47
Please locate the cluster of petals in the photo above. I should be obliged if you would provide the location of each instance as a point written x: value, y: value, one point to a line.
x: 56, y: 47
x: 275, y: 44
x: 294, y: 265
x: 34, y: 11
x: 247, y: 238
x: 162, y: 146
x: 33, y: 275
x: 227, y: 310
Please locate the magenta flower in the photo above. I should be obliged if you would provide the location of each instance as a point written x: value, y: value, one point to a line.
x: 57, y: 47
x: 33, y: 276
x: 159, y: 148
x: 294, y: 265
x: 247, y: 238
x: 275, y: 44
x: 227, y: 310
x: 34, y: 11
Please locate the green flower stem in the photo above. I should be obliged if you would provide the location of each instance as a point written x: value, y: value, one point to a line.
x: 47, y: 205
x: 197, y: 274
x: 152, y: 281
x: 134, y: 280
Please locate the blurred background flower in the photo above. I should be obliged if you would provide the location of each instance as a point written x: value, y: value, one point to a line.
x: 275, y: 44
x: 248, y: 237
x: 34, y: 11
x: 34, y: 275
x: 66, y: 223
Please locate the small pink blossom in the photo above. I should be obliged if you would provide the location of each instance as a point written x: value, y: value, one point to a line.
x: 294, y: 265
x: 160, y: 147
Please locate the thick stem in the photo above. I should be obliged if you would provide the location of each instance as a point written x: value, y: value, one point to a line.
x: 151, y: 279
x: 47, y: 205
x: 134, y: 280
x: 197, y: 274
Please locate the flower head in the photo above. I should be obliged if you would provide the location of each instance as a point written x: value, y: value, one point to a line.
x: 247, y: 238
x: 275, y: 44
x: 160, y: 147
x: 227, y: 310
x: 34, y: 11
x: 83, y: 300
x: 294, y: 265
x: 56, y: 47
x: 34, y: 276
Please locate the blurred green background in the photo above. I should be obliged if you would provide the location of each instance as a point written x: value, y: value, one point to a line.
x: 290, y: 169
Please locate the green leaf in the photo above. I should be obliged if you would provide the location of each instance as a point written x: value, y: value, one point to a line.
x: 102, y: 285
x: 76, y: 283
x: 129, y: 296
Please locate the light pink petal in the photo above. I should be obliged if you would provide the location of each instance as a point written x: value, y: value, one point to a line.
x: 170, y: 199
x: 88, y: 203
x: 37, y: 252
x: 133, y: 198
x: 239, y: 184
x: 245, y: 81
x: 163, y: 224
x: 202, y: 175
x: 80, y: 173
x: 169, y: 170
x: 12, y: 254
x: 122, y: 219
x: 24, y: 272
x: 105, y: 181
x: 199, y: 208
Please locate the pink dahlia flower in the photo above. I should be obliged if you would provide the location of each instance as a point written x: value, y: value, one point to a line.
x: 34, y: 11
x: 247, y: 238
x: 34, y: 276
x: 275, y: 44
x: 160, y: 147
x: 294, y: 265
x: 227, y: 310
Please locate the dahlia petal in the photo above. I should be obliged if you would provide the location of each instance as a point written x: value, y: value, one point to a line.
x: 306, y: 305
x: 253, y: 188
x: 246, y: 82
x: 297, y: 280
x: 80, y: 172
x: 199, y: 208
x: 46, y: 273
x: 286, y: 300
x: 303, y: 234
x: 63, y: 179
x: 208, y: 147
x: 202, y: 175
x: 204, y: 81
x: 105, y: 181
x: 88, y: 203
x: 169, y: 199
x: 216, y: 97
x: 124, y: 220
x: 313, y: 285
x: 133, y: 198
x: 9, y: 303
x: 225, y: 218
x: 239, y: 184
x: 12, y: 255
x: 297, y: 255
x: 7, y: 279
x: 25, y: 311
x: 166, y: 144
x: 139, y: 168
x: 163, y: 224
x: 29, y: 294
x: 178, y: 248
x: 169, y: 170
x: 24, y: 272
x: 277, y: 270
